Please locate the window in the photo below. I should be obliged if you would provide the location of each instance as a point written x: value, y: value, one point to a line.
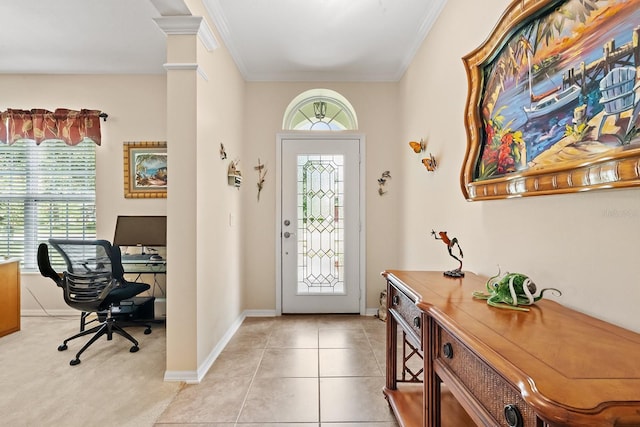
x: 46, y: 190
x: 320, y: 109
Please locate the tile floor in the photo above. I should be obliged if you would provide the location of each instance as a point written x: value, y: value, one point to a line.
x: 292, y: 371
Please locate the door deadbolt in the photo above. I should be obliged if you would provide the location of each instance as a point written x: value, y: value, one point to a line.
x: 287, y: 222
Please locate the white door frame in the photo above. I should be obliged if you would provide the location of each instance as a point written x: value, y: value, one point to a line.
x: 317, y: 135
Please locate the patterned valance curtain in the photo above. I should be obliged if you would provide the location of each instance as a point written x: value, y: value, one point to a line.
x: 70, y: 126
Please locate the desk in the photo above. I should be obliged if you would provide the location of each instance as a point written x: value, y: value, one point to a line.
x: 9, y: 296
x: 140, y: 267
x: 146, y: 266
x: 549, y: 367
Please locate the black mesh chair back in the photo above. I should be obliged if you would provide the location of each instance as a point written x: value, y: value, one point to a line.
x: 84, y: 256
x: 89, y: 276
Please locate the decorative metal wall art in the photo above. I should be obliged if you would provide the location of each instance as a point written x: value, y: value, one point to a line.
x: 233, y: 174
x: 262, y: 172
x: 382, y: 181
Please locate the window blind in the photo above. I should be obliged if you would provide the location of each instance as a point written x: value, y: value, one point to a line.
x: 45, y: 191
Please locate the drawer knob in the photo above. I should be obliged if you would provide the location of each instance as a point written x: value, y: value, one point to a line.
x: 416, y: 322
x: 395, y: 300
x: 447, y: 350
x: 513, y: 416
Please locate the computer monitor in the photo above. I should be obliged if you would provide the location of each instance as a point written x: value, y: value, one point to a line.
x: 142, y: 231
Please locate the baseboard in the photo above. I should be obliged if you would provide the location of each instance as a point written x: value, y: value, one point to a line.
x: 189, y: 377
x: 194, y: 377
x: 259, y: 313
x: 371, y: 311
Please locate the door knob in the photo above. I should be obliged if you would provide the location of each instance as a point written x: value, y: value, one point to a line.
x: 287, y: 234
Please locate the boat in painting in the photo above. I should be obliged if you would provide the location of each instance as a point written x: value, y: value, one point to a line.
x: 552, y: 102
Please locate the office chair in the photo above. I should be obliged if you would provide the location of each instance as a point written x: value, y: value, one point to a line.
x: 92, y: 283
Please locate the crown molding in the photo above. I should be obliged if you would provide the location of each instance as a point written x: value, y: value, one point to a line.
x: 217, y: 16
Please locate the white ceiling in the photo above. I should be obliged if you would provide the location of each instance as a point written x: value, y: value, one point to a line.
x: 270, y: 40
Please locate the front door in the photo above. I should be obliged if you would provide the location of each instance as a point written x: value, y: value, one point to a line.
x: 320, y: 225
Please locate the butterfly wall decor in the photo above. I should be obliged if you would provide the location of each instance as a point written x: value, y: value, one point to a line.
x: 430, y: 163
x: 418, y: 147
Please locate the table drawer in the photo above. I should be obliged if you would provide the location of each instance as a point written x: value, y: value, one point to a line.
x: 406, y: 311
x: 488, y: 388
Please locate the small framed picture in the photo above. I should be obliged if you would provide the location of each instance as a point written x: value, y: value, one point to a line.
x: 145, y: 169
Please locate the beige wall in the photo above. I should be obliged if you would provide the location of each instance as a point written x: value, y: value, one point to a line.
x: 377, y: 110
x: 585, y: 244
x: 136, y: 105
x: 221, y: 119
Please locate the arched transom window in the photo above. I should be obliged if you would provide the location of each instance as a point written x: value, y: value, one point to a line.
x: 320, y: 109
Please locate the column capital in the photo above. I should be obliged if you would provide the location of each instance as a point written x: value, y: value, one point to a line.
x: 188, y: 25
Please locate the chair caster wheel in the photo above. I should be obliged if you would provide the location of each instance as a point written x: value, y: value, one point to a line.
x: 74, y: 362
x: 63, y: 347
x: 147, y: 331
x: 134, y: 349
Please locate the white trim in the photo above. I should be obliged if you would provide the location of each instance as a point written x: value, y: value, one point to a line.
x: 428, y: 20
x: 363, y: 226
x: 188, y: 25
x: 278, y: 239
x: 371, y: 311
x: 189, y: 377
x: 217, y: 16
x: 202, y: 74
x: 171, y: 7
x: 207, y: 38
x: 180, y: 66
x: 195, y: 377
x: 260, y: 313
x: 186, y: 66
x: 363, y: 247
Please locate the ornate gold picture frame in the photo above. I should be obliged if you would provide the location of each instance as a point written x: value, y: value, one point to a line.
x: 145, y: 169
x: 553, y: 101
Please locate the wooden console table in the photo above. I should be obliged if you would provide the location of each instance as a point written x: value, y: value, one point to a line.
x: 9, y: 296
x: 465, y: 363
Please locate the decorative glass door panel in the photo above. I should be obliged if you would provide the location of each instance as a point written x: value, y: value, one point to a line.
x: 320, y: 226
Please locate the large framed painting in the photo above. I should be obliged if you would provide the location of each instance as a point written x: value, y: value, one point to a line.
x: 145, y: 169
x: 553, y: 100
